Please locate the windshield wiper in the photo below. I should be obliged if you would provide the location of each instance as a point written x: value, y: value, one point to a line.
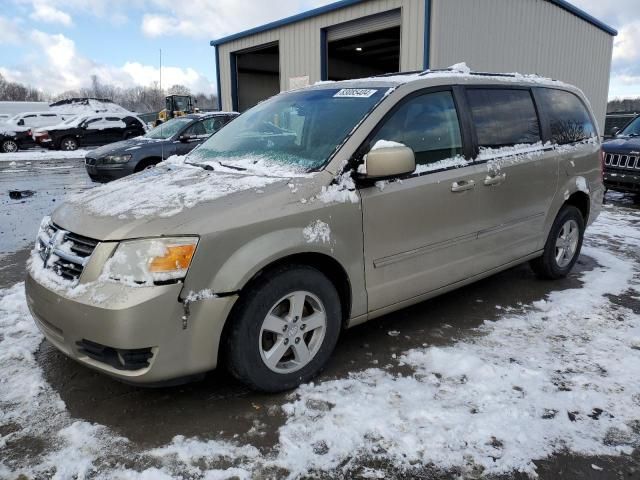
x: 204, y: 166
x: 232, y: 167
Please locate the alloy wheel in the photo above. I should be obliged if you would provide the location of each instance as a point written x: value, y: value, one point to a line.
x: 567, y: 243
x: 292, y: 332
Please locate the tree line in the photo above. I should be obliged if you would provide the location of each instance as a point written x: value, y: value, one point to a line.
x: 139, y: 99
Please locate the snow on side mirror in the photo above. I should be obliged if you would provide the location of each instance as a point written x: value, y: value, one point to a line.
x: 390, y: 162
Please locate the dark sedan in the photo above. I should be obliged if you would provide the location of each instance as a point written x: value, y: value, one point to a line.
x: 622, y: 159
x: 11, y: 140
x: 90, y: 130
x: 176, y: 137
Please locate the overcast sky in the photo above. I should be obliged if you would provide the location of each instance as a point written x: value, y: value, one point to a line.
x: 56, y: 45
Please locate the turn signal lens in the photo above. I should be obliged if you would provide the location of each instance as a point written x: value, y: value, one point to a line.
x: 176, y: 257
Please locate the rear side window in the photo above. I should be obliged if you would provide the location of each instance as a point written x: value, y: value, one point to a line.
x: 428, y: 124
x: 503, y: 117
x: 569, y: 120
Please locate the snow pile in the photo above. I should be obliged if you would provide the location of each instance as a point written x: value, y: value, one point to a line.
x: 548, y: 379
x: 165, y: 190
x: 90, y: 106
x: 30, y: 155
x: 317, y: 231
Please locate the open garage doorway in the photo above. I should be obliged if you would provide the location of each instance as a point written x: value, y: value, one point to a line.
x: 257, y: 75
x: 364, y: 48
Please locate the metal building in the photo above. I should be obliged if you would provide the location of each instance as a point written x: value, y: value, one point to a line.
x: 359, y: 38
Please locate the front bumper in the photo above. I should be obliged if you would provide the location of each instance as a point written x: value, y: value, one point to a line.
x: 622, y: 181
x: 102, y: 173
x: 147, y: 319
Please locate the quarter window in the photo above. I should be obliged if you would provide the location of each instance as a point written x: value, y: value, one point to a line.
x: 569, y: 120
x: 503, y: 117
x: 427, y: 124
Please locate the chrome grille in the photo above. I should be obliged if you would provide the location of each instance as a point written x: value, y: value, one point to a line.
x: 64, y: 252
x: 622, y: 161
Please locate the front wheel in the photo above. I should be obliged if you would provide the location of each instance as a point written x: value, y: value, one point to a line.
x: 562, y: 249
x: 69, y: 144
x: 284, y: 329
x: 9, y: 146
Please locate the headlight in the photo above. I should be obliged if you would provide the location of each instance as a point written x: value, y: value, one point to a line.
x: 151, y: 260
x: 116, y: 158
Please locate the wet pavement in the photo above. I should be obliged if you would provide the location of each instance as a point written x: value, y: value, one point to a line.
x: 219, y: 407
x: 50, y: 180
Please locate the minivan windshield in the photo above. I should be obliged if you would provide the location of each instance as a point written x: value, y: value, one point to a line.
x: 633, y: 129
x: 298, y: 130
x: 168, y: 129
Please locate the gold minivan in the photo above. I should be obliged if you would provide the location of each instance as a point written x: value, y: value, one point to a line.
x: 314, y: 211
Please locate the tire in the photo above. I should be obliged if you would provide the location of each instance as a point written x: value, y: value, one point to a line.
x: 266, y: 345
x: 146, y: 164
x: 9, y: 146
x: 562, y: 248
x: 68, y: 144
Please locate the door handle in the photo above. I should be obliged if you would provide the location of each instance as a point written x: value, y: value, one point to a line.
x: 495, y: 179
x: 463, y: 185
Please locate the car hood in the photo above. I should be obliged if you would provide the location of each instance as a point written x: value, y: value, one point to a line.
x: 175, y: 198
x: 124, y: 146
x: 623, y: 145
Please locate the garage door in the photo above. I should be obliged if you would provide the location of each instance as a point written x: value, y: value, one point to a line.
x: 381, y: 21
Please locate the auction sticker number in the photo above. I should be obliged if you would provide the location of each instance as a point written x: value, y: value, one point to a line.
x: 355, y: 93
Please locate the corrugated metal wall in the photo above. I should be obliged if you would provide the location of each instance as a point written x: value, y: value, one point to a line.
x: 528, y: 36
x: 300, y: 42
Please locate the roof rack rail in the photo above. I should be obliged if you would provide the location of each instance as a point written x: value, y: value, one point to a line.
x: 393, y: 74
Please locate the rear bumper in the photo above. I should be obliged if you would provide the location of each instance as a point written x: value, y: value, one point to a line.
x: 136, y: 334
x: 622, y: 182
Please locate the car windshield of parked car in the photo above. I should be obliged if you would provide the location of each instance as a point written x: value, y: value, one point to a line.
x: 298, y: 130
x: 168, y: 129
x: 633, y: 129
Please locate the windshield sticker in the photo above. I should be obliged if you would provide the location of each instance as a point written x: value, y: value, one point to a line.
x: 355, y: 93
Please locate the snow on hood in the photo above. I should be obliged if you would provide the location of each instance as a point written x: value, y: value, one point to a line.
x: 166, y: 190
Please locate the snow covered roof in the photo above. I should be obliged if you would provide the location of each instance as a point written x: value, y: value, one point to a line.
x: 88, y: 106
x: 455, y: 72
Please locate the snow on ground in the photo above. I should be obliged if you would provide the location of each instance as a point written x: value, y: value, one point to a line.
x: 35, y: 155
x: 557, y: 375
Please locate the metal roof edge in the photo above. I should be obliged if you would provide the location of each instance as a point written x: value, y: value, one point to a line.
x: 584, y: 16
x: 288, y: 20
x: 565, y: 5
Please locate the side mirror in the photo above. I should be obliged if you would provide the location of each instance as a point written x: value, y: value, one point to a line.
x: 186, y: 138
x: 615, y: 131
x: 21, y: 122
x: 390, y: 162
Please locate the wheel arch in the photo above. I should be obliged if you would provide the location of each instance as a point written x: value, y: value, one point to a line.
x: 146, y: 161
x: 582, y: 202
x: 324, y: 263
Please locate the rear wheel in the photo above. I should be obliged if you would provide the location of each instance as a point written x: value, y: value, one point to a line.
x: 284, y: 329
x: 9, y: 146
x: 563, y: 245
x: 68, y: 144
